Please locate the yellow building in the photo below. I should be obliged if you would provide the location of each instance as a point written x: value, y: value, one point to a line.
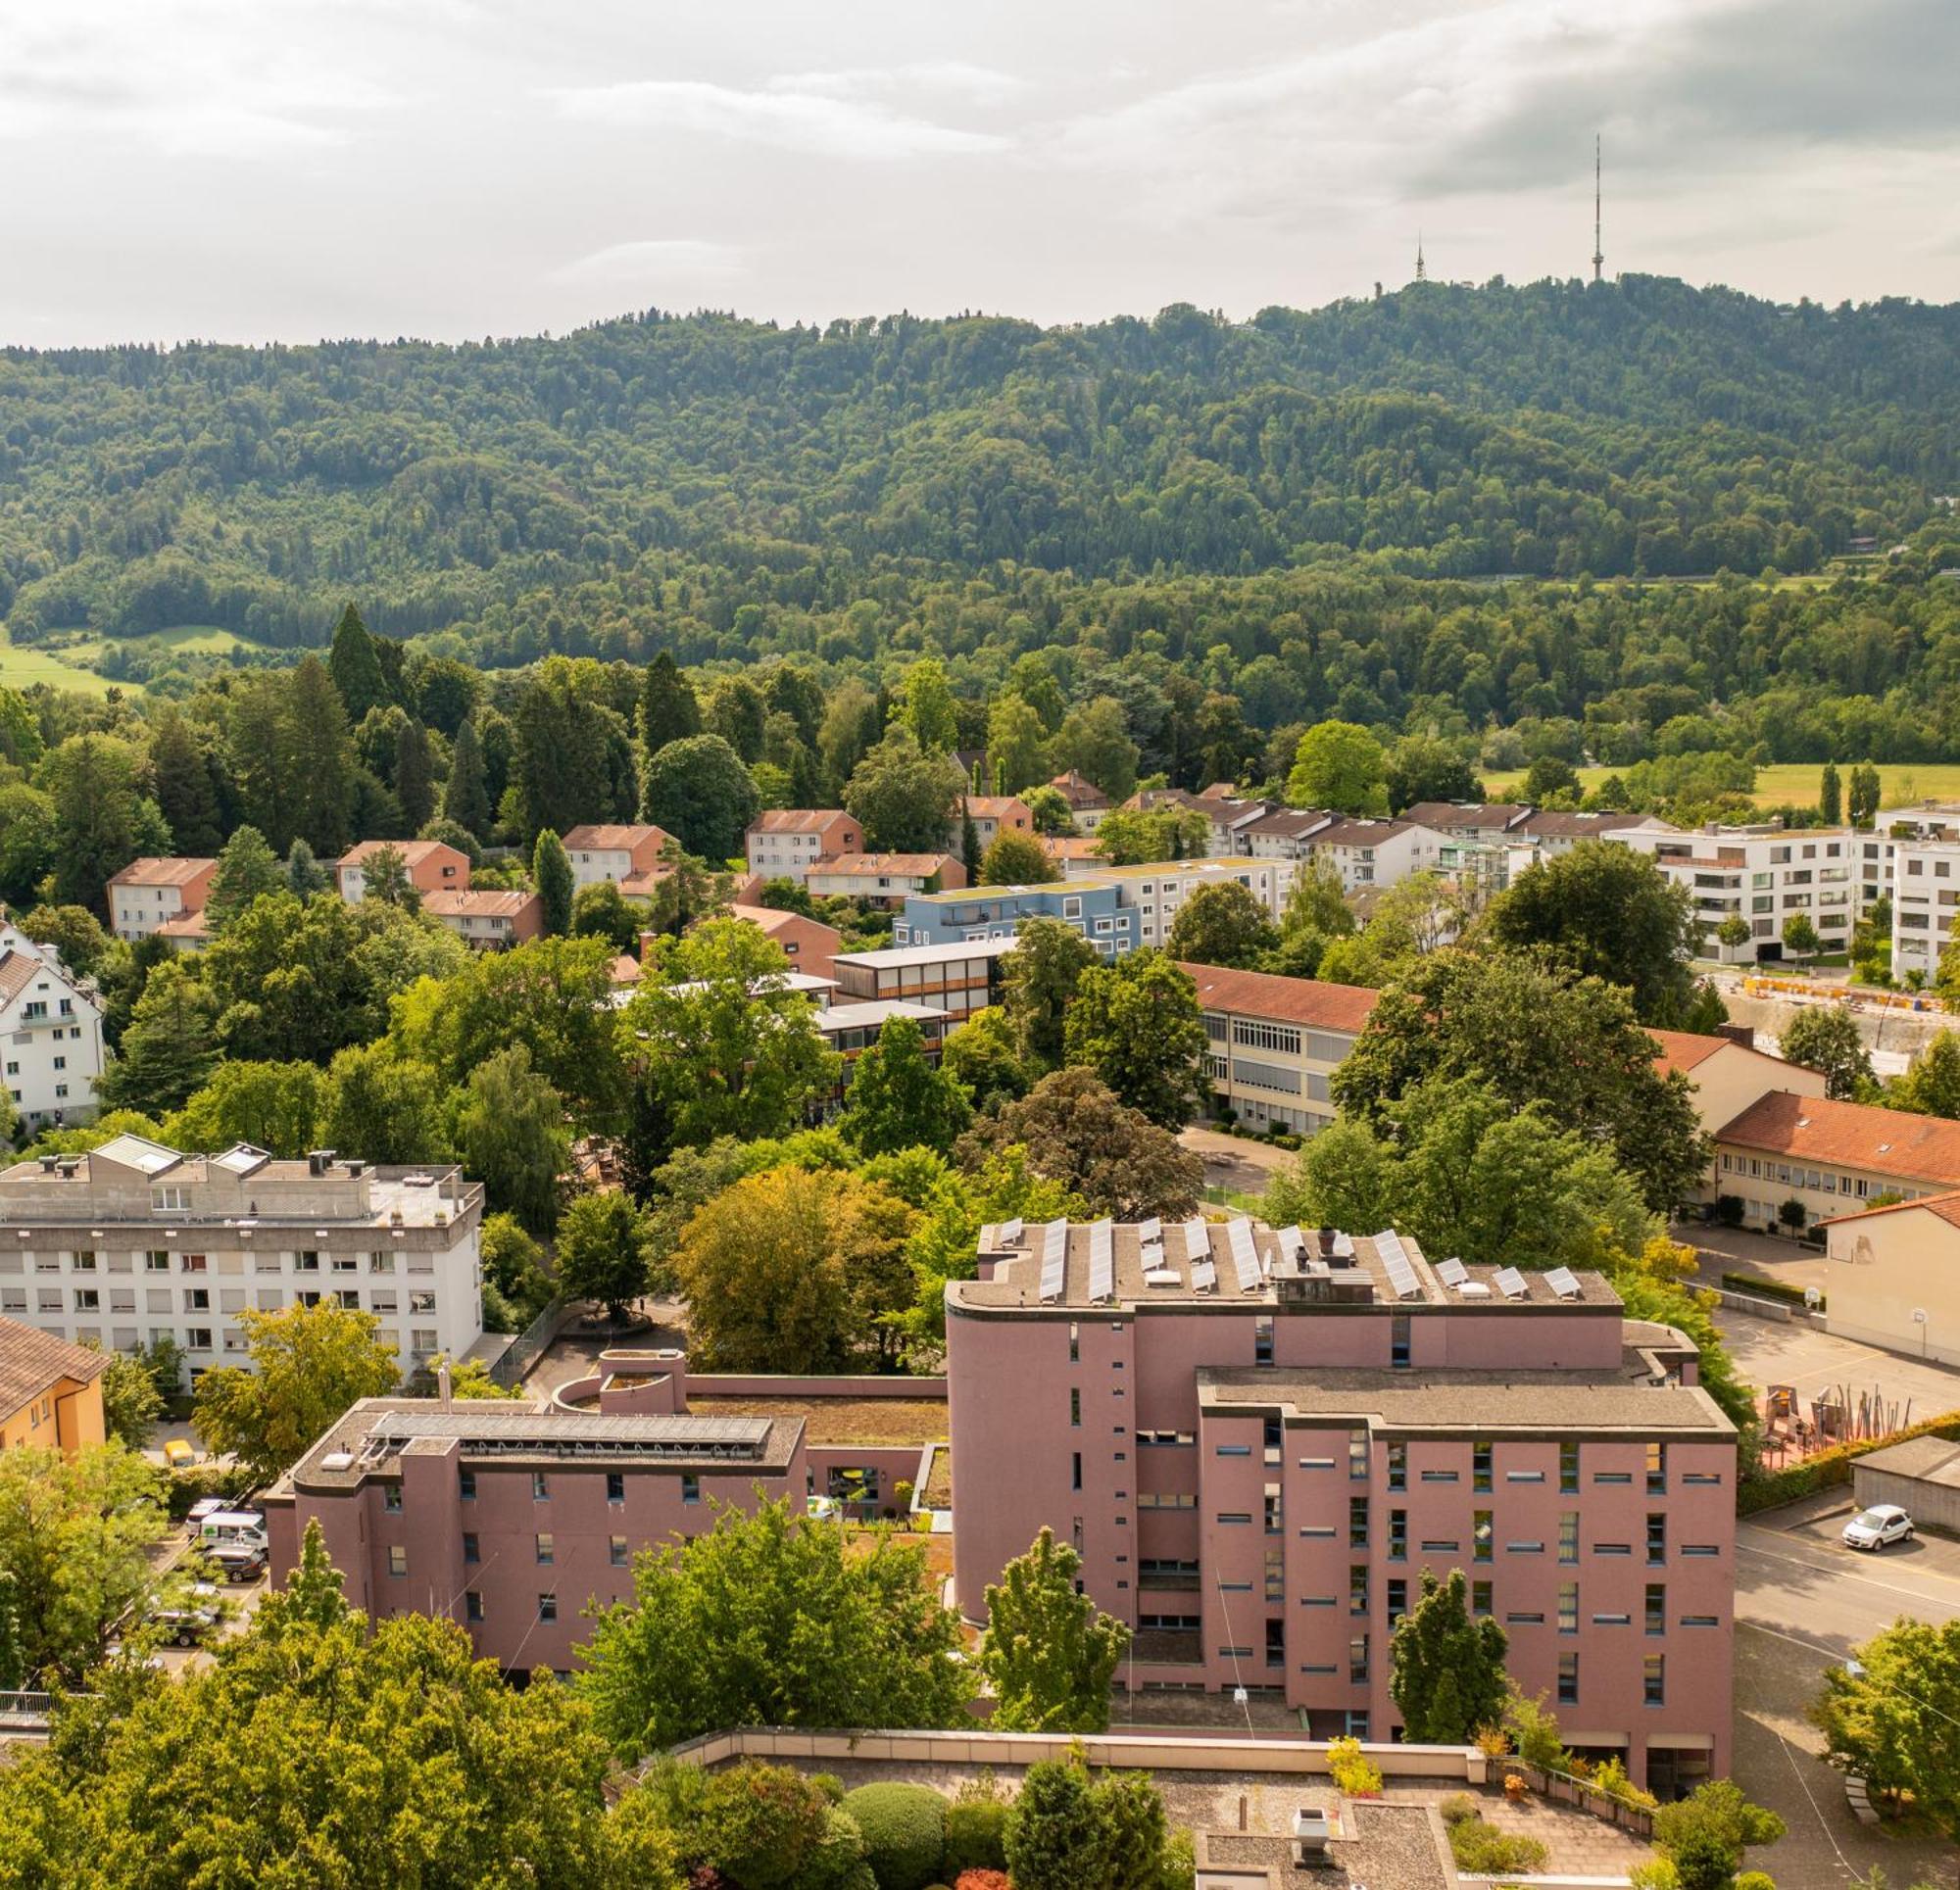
x: 1897, y: 1280
x: 49, y: 1391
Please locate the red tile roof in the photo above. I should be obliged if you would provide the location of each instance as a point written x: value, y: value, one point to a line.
x: 1684, y: 1049
x: 890, y: 865
x: 796, y: 820
x: 1293, y: 1000
x: 162, y: 872
x: 489, y: 903
x: 410, y: 851
x: 32, y: 1360
x: 1850, y: 1134
x: 1946, y: 1206
x: 613, y: 839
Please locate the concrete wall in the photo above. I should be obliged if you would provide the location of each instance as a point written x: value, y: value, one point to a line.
x: 1928, y: 1504
x: 1885, y: 1267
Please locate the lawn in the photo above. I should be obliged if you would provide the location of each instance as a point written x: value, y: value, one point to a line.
x: 25, y: 667
x: 1796, y: 781
x: 839, y: 1420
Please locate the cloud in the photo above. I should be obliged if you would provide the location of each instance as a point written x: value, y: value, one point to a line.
x: 791, y: 121
x: 980, y: 85
x: 655, y: 258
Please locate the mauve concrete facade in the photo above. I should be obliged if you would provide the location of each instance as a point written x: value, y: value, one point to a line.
x: 1257, y: 1478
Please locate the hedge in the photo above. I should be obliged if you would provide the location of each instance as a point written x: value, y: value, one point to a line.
x: 1750, y: 1283
x: 905, y: 1833
x: 1829, y: 1469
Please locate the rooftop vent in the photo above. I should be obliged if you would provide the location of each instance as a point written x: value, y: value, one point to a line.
x: 48, y: 1164
x: 337, y: 1459
x: 319, y: 1160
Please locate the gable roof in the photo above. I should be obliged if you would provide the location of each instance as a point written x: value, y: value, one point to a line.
x: 179, y: 870
x: 614, y: 836
x: 923, y: 865
x: 1295, y: 1000
x: 796, y: 820
x: 491, y: 901
x: 1486, y: 816
x: 17, y: 972
x: 413, y: 852
x: 771, y: 918
x: 995, y: 806
x: 1851, y: 1135
x: 1684, y: 1049
x: 1944, y: 1207
x: 1078, y: 790
x: 30, y: 1361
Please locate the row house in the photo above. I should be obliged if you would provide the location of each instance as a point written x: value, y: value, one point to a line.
x: 992, y: 815
x: 615, y: 853
x: 149, y: 893
x: 784, y: 842
x: 807, y: 943
x: 884, y: 878
x: 490, y: 919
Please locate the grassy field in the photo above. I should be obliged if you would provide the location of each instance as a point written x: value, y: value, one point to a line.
x: 1796, y: 781
x: 22, y: 668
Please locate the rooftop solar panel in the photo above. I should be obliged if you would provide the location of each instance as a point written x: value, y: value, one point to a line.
x: 1151, y: 1230
x: 1292, y: 1243
x: 1403, y: 1281
x: 1245, y: 1256
x: 1564, y: 1282
x: 1011, y: 1234
x: 1453, y: 1273
x: 1055, y: 1259
x: 1203, y: 1277
x: 1198, y: 1239
x: 1511, y: 1283
x: 1102, y: 1262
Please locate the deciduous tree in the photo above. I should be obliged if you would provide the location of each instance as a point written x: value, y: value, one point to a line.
x: 1339, y: 765
x: 1016, y: 859
x: 273, y: 1106
x: 1038, y: 985
x: 1048, y: 1653
x: 897, y: 1099
x: 1895, y: 1721
x: 510, y: 1130
x: 1222, y: 925
x: 698, y: 790
x: 602, y: 1252
x: 1447, y: 1669
x: 1828, y: 1041
x: 1137, y: 1024
x: 1931, y: 1085
x: 904, y: 797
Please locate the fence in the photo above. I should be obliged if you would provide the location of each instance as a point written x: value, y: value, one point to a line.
x: 528, y: 1346
x: 1561, y: 1788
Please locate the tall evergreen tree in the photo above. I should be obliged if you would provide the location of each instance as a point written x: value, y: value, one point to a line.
x: 169, y: 1048
x: 1831, y: 796
x: 969, y: 844
x: 550, y: 874
x: 180, y: 767
x: 561, y: 768
x: 355, y: 666
x: 318, y: 755
x: 246, y: 868
x: 466, y: 799
x: 669, y: 710
x: 1447, y: 1669
x: 415, y: 775
x: 305, y: 875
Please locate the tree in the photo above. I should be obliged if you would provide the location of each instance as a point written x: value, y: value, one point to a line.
x: 1222, y: 925
x: 897, y: 1099
x: 1057, y: 1836
x: 513, y: 1265
x: 303, y: 874
x: 1038, y: 985
x: 1049, y: 811
x: 355, y: 666
x: 131, y: 1403
x: 1076, y: 1132
x: 1893, y: 1716
x: 247, y: 869
x: 383, y: 1106
x: 273, y: 1106
x: 1800, y: 936
x: 466, y: 796
x: 1830, y: 795
x: 1549, y: 777
x: 1863, y: 801
x: 698, y: 790
x: 1704, y: 1835
x: 101, y: 819
x: 1095, y: 740
x: 571, y: 756
x: 181, y: 766
x: 1316, y: 903
x: 928, y: 709
x: 1137, y: 1024
x: 1339, y: 765
x: 1017, y: 750
x: 415, y: 775
x: 1828, y: 1041
x: 1931, y: 1085
x: 76, y: 1535
x: 1447, y: 1669
x: 785, y: 1271
x: 315, y: 754
x: 168, y: 1047
x: 728, y: 1048
x: 512, y: 1134
x: 1734, y: 932
x: 602, y: 1252
x: 602, y: 911
x: 1128, y: 836
x: 1609, y: 912
x: 310, y: 1366
x: 771, y: 1619
x: 1516, y: 1021
x: 28, y: 841
x: 78, y: 938
x: 668, y: 710
x: 1425, y: 768
x: 385, y: 879
x: 983, y: 1056
x: 550, y: 874
x: 1016, y: 859
x: 1049, y: 1653
x: 904, y: 797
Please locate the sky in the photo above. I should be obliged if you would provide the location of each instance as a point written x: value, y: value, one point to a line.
x: 288, y: 169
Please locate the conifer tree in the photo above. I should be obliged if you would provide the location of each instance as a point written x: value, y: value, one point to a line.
x: 415, y: 775
x: 467, y: 797
x: 551, y: 875
x: 355, y: 666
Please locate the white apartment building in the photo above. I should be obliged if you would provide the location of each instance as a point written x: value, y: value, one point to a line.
x: 608, y: 850
x: 784, y: 842
x: 1764, y: 874
x: 148, y: 892
x: 134, y: 1243
x: 1155, y: 892
x: 51, y: 1034
x: 1926, y: 902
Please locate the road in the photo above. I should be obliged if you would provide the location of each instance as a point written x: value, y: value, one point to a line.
x: 1802, y: 1602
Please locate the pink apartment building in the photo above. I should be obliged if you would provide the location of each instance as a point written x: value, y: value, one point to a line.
x: 509, y: 1518
x: 1258, y: 1440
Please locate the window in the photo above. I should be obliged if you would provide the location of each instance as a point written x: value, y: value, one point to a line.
x: 1480, y: 1598
x: 1568, y: 1536
x: 471, y: 1550
x: 1075, y: 1470
x: 1275, y: 1575
x: 1262, y: 1339
x: 1480, y: 1466
x: 615, y: 1486
x: 1568, y: 1468
x: 1483, y: 1536
x: 1357, y: 1588
x: 546, y: 1550
x: 1657, y: 1469
x: 1654, y: 1680
x: 1568, y: 1679
x: 1655, y: 1617
x: 391, y: 1498
x: 616, y: 1551
x: 1074, y: 1343
x: 1075, y: 1406
x: 380, y: 1263
x: 1398, y: 1339
x: 473, y: 1605
x: 548, y: 1606
x: 540, y: 1487
x: 1398, y: 1600
x: 1568, y: 1607
x: 398, y: 1560
x: 306, y: 1262
x: 1273, y: 1440
x: 166, y: 1200
x: 1398, y: 1466
x: 1357, y: 1657
x: 1357, y: 1522
x: 1399, y: 1535
x: 690, y: 1487
x: 1357, y: 1451
x: 84, y: 1260
x: 465, y: 1485
x: 1656, y: 1538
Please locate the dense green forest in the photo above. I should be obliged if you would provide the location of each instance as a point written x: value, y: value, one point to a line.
x: 1435, y: 508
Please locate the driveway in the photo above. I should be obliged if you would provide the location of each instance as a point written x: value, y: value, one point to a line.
x: 1802, y: 1602
x: 1243, y: 1167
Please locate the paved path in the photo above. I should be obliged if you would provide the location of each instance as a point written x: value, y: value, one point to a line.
x: 1245, y: 1166
x: 1801, y: 1353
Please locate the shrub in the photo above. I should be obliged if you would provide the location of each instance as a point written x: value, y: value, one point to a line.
x: 1831, y: 1468
x: 905, y: 1833
x: 1355, y: 1776
x: 1610, y: 1777
x: 983, y: 1880
x: 1534, y: 1728
x: 976, y: 1835
x: 1493, y: 1742
x: 192, y: 1486
x: 829, y: 1784
x: 1457, y: 1808
x: 1756, y: 1880
x: 1484, y: 1851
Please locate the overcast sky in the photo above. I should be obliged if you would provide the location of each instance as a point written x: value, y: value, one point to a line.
x: 250, y: 169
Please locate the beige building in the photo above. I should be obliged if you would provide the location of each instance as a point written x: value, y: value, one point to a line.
x: 1274, y: 1042
x: 49, y: 1391
x: 489, y: 920
x: 1895, y: 1277
x: 609, y: 852
x: 992, y: 815
x: 887, y: 879
x: 1829, y: 1157
x: 1727, y: 1076
x: 148, y: 892
x: 784, y: 842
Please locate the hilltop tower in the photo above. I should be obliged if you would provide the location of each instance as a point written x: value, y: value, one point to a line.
x: 1598, y: 255
x: 1421, y: 273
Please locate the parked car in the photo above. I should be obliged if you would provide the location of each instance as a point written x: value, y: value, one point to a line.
x: 178, y: 1454
x: 189, y: 1623
x: 244, y: 1529
x: 198, y: 1510
x: 237, y: 1561
x: 1874, y: 1529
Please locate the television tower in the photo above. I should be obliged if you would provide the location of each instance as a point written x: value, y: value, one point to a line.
x: 1421, y: 273
x: 1599, y: 258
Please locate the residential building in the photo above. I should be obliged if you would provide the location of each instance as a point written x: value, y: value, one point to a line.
x: 957, y: 979
x: 1728, y: 1073
x: 432, y: 866
x: 885, y: 879
x: 50, y: 1038
x: 1156, y: 890
x: 992, y: 815
x: 1258, y: 1440
x: 1469, y: 819
x: 187, y: 932
x: 1375, y: 852
x: 148, y: 892
x: 1231, y: 815
x: 998, y: 911
x: 1765, y: 875
x: 1079, y: 856
x: 1829, y: 1157
x: 1087, y: 803
x: 1926, y: 902
x: 809, y: 944
x: 133, y: 1243
x: 784, y: 842
x: 613, y: 851
x: 1274, y: 1042
x: 1283, y: 833
x: 490, y: 920
x: 509, y: 1518
x: 1552, y: 834
x: 851, y: 1029
x: 1895, y: 1277
x: 49, y: 1391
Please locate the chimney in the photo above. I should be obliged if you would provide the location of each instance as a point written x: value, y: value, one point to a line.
x: 443, y: 1383
x: 48, y: 1164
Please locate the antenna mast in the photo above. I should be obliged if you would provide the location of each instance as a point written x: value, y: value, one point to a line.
x: 1421, y: 275
x: 1599, y: 258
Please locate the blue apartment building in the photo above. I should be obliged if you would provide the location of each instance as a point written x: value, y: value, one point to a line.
x: 1091, y: 906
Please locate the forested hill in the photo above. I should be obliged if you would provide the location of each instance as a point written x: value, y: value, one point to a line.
x: 1556, y: 429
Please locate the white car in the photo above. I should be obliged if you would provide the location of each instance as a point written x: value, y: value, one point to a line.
x: 1872, y: 1529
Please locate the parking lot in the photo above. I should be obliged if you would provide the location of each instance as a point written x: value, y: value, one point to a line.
x: 1802, y: 1602
x: 1801, y: 1353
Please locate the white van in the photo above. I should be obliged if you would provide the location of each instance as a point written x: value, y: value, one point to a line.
x: 234, y: 1528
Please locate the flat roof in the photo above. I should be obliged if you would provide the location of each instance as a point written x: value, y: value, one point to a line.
x: 1927, y: 1460
x: 873, y: 1011
x: 897, y: 957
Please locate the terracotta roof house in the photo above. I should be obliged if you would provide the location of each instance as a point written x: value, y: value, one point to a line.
x: 784, y: 842
x: 490, y: 919
x: 1895, y: 1281
x: 810, y: 944
x: 613, y: 851
x: 433, y: 866
x: 149, y: 890
x: 890, y: 877
x: 49, y: 1391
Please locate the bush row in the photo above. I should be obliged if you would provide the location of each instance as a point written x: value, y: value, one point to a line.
x: 1831, y: 1468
